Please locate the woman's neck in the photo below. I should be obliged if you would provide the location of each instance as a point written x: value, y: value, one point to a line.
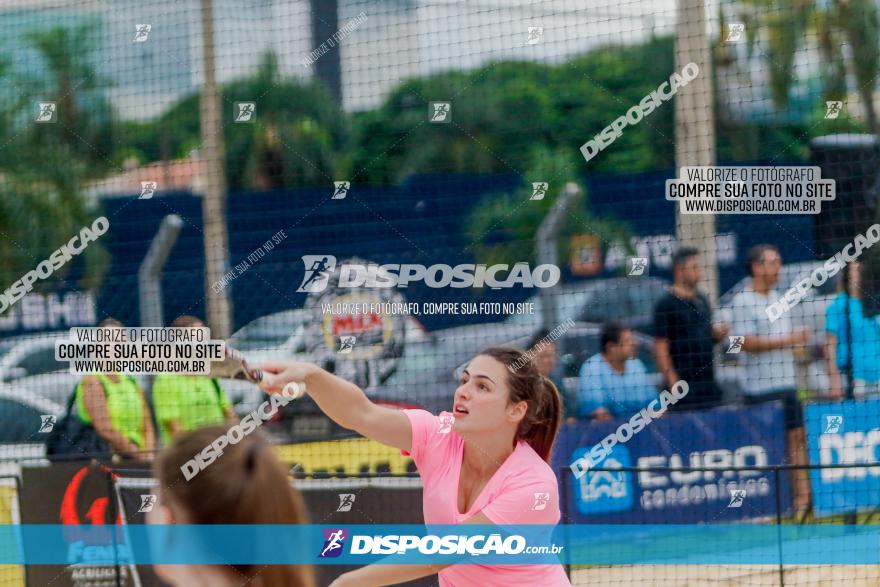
x: 485, y: 455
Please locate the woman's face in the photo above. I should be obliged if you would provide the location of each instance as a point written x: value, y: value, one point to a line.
x: 481, y: 401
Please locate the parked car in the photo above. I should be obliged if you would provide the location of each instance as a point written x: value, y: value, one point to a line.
x: 21, y: 413
x: 290, y: 334
x: 29, y: 362
x: 628, y: 300
x: 429, y: 374
x: 423, y: 378
x: 274, y: 336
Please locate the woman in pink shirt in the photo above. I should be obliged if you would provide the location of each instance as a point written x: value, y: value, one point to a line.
x: 483, y: 463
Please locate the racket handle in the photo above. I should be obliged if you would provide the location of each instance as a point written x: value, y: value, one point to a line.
x: 294, y: 389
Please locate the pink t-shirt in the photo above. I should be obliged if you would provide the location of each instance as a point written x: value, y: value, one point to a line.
x: 508, y: 498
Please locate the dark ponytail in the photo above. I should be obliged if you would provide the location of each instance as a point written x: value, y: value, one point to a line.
x: 544, y: 414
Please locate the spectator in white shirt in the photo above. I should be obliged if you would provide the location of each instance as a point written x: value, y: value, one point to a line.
x: 768, y: 357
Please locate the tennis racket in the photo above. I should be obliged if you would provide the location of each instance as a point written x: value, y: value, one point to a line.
x: 235, y: 366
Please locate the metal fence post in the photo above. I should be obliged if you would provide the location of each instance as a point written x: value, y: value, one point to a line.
x: 546, y: 243
x: 779, y: 524
x: 150, y: 271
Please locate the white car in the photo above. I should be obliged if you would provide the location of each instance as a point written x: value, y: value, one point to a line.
x: 22, y: 417
x: 29, y: 362
x: 286, y: 335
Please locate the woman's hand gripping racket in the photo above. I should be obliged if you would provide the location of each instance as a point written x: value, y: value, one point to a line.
x: 235, y: 366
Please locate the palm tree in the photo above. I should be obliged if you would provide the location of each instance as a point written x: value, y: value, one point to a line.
x: 43, y: 167
x: 83, y: 128
x: 787, y: 22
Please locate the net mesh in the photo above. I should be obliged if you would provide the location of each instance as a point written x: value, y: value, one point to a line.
x: 330, y: 150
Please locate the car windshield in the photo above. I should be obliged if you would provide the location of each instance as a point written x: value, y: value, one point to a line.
x: 268, y: 331
x: 429, y: 361
x: 6, y: 346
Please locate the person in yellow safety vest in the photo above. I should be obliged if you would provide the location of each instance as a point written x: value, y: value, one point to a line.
x: 188, y: 402
x: 116, y: 407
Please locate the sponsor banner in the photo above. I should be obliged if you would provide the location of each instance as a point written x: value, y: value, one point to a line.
x: 39, y: 312
x: 723, y: 438
x: 586, y: 254
x: 347, y: 457
x: 361, y: 342
x: 846, y: 432
x: 584, y: 544
x: 72, y: 496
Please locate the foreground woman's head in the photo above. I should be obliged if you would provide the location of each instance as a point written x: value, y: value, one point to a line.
x: 246, y: 485
x: 502, y: 390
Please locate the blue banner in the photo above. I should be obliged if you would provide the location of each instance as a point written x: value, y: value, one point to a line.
x: 845, y: 432
x: 722, y: 438
x: 592, y: 544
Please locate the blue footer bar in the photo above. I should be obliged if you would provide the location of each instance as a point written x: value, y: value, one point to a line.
x: 727, y: 544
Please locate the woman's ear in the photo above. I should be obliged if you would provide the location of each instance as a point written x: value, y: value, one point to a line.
x: 517, y: 411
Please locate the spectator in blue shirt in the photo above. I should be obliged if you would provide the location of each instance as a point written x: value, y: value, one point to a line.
x: 613, y: 383
x: 865, y: 340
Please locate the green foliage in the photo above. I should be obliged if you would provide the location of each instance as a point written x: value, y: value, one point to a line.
x: 499, y: 112
x: 502, y: 228
x: 296, y: 138
x: 45, y: 166
x: 785, y: 25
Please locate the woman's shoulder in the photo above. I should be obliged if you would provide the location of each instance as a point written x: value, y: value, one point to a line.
x: 528, y: 465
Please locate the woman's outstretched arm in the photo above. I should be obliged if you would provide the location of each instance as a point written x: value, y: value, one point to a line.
x: 342, y: 401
